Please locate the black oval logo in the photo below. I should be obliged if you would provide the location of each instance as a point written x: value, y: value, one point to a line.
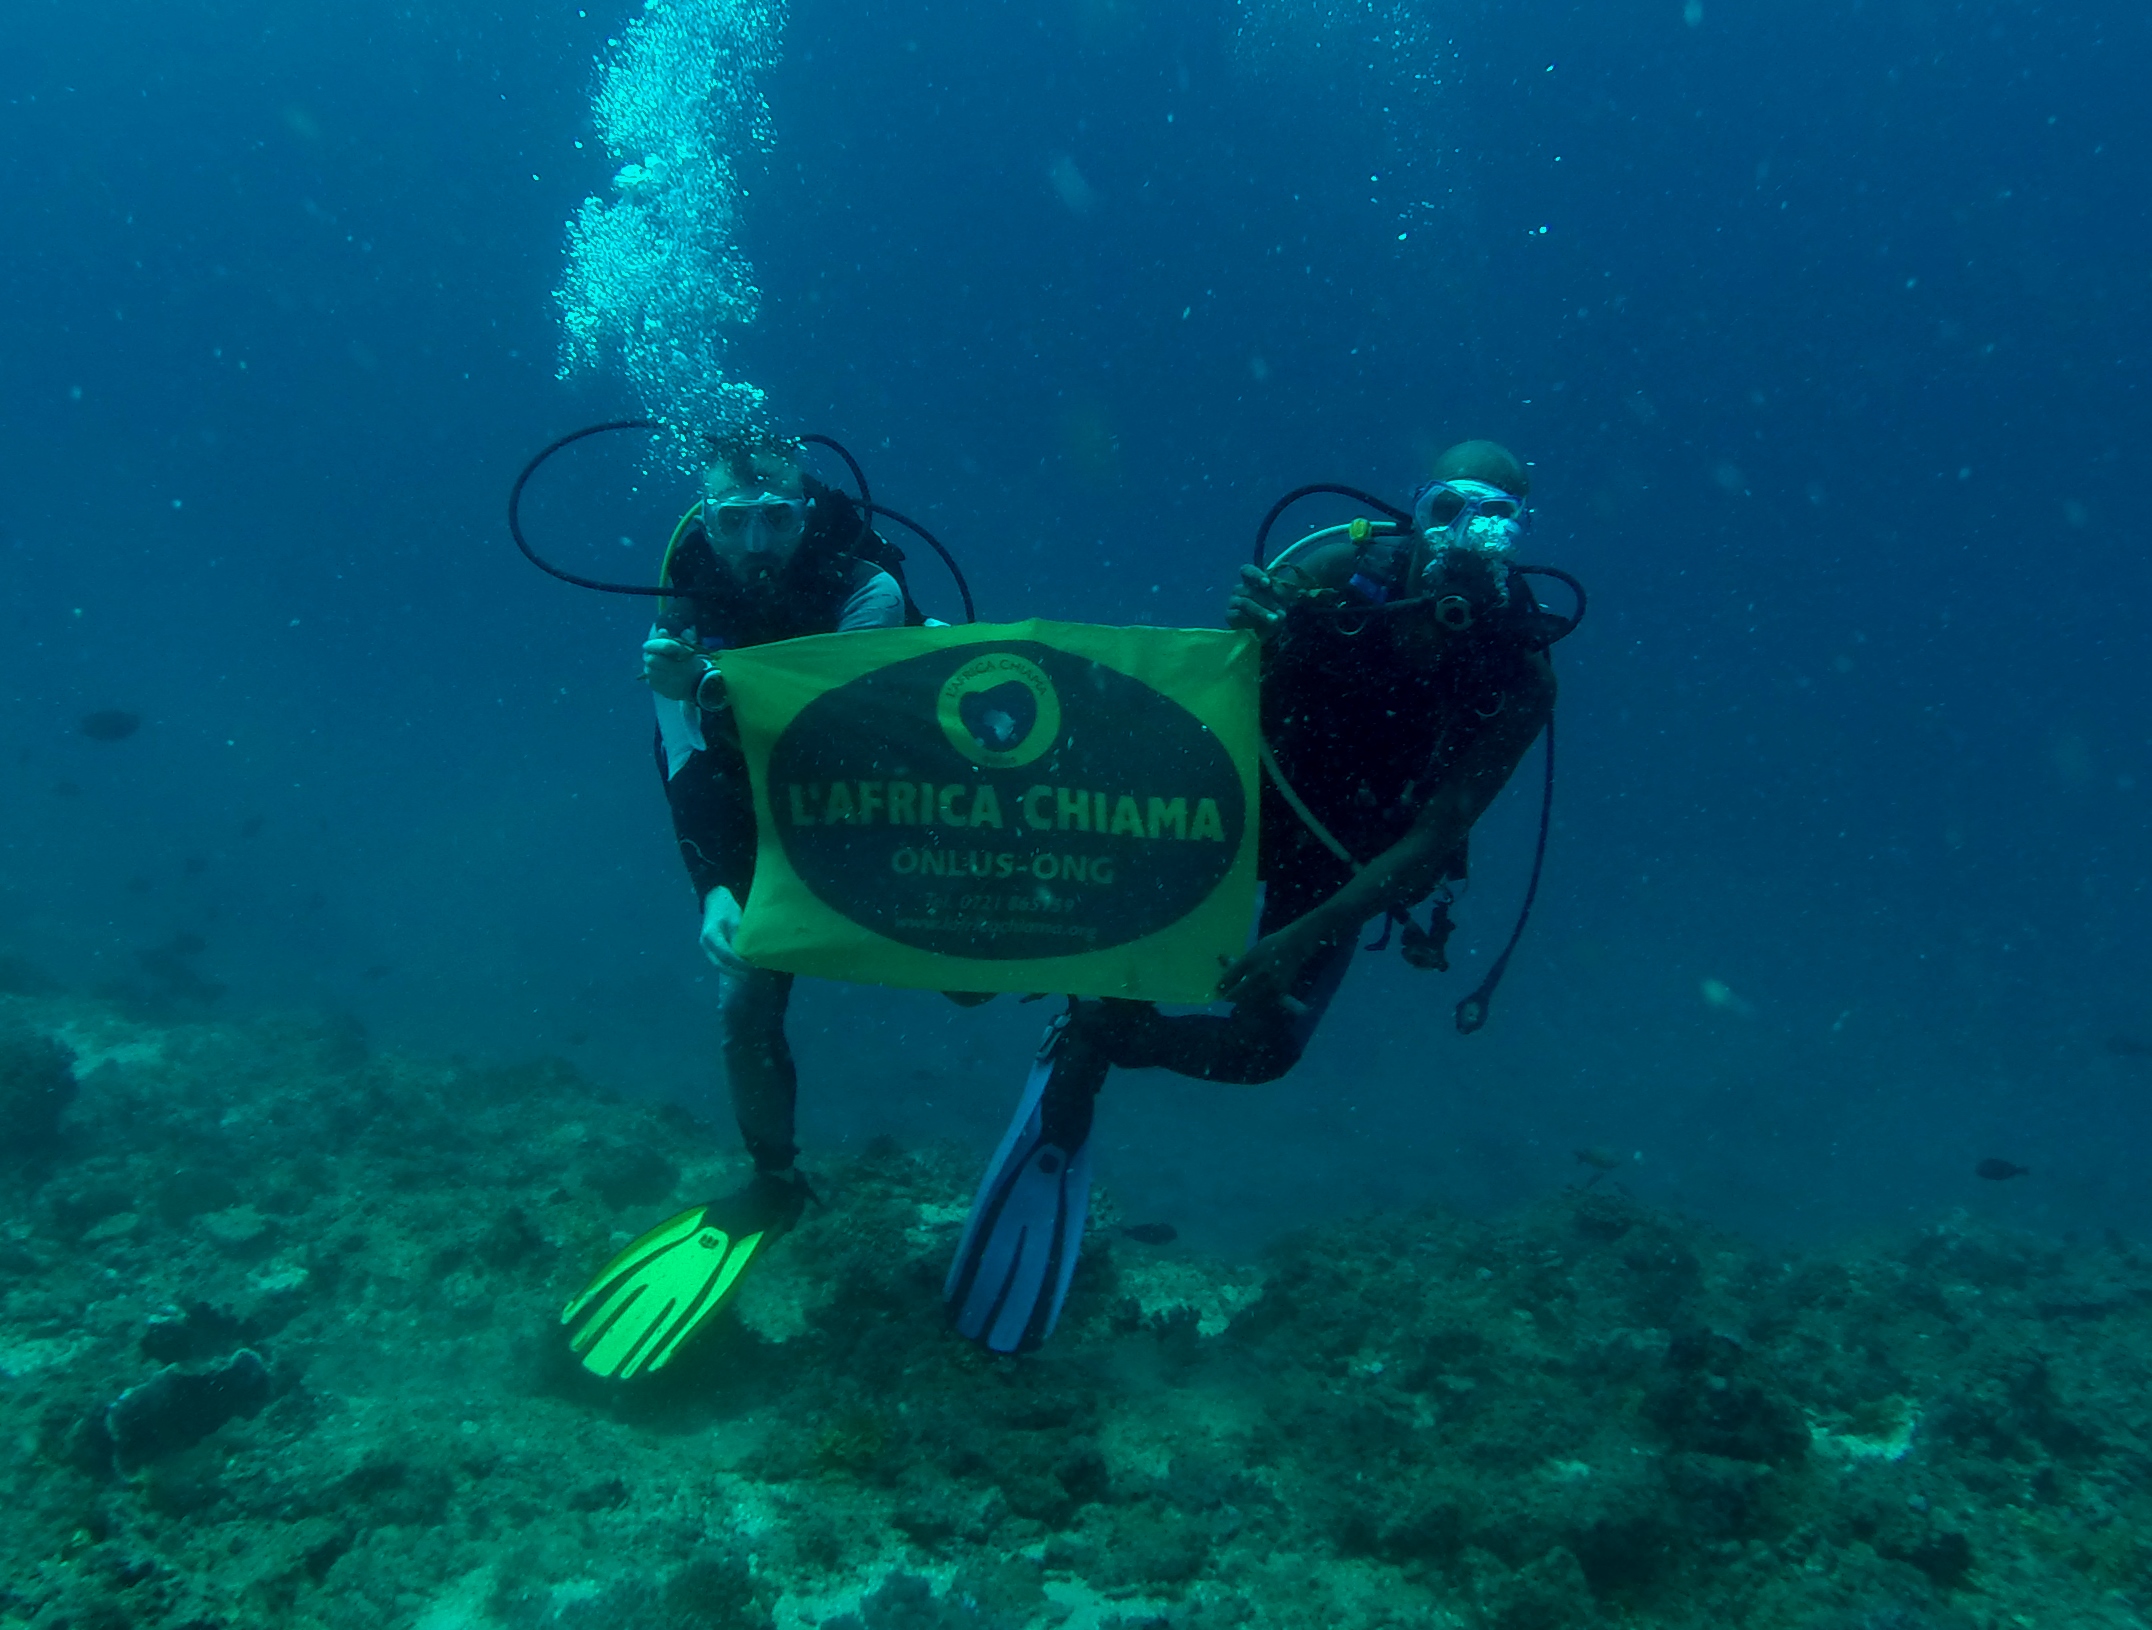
x: 1005, y: 801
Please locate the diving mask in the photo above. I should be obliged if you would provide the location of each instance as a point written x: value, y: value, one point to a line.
x: 1474, y: 514
x: 1469, y: 529
x: 742, y: 516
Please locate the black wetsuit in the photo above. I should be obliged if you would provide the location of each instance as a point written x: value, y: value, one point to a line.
x: 1365, y: 738
x: 713, y: 809
x: 833, y: 582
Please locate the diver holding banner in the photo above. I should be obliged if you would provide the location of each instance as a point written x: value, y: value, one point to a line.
x: 1404, y: 675
x: 1035, y: 807
x: 768, y: 555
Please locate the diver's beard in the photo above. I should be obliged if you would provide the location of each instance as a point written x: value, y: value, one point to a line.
x: 756, y: 569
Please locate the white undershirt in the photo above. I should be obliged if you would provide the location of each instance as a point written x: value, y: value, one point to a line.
x: 876, y: 603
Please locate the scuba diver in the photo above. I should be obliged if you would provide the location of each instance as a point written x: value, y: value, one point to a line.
x: 770, y: 553
x: 1404, y: 674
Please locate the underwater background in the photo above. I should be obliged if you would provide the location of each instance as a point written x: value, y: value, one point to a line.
x: 1824, y: 327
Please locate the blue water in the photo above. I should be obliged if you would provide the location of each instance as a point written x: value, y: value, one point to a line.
x: 1825, y: 328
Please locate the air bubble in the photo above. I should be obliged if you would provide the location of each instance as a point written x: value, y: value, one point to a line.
x: 656, y: 282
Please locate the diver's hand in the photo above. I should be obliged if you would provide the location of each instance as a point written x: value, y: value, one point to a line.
x: 1265, y: 973
x: 1258, y: 605
x: 673, y: 669
x: 720, y: 925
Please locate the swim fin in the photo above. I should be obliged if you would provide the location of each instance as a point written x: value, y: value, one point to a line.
x: 663, y: 1288
x: 1019, y: 1249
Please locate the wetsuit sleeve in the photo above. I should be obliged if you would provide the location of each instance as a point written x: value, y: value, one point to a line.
x: 876, y: 603
x: 713, y: 818
x: 691, y: 756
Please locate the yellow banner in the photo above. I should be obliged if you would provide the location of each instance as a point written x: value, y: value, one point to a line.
x: 1028, y: 806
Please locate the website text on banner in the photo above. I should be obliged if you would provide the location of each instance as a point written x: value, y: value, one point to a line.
x: 1033, y: 806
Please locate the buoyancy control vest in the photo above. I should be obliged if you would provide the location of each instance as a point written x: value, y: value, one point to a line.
x: 1495, y: 624
x: 1364, y: 736
x: 838, y: 555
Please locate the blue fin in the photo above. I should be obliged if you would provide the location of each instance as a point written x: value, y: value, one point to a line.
x: 1013, y: 1264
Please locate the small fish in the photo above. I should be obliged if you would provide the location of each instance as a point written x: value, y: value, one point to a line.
x: 2128, y: 1047
x: 67, y: 789
x: 1151, y: 1233
x: 252, y: 826
x: 2000, y: 1171
x: 1722, y: 995
x: 1604, y: 1159
x: 379, y: 970
x: 172, y: 966
x: 110, y: 724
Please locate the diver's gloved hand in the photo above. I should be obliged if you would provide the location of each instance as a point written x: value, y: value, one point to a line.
x: 675, y: 670
x: 1258, y: 605
x: 720, y: 925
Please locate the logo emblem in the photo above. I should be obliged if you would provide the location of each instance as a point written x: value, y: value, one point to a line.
x: 999, y: 711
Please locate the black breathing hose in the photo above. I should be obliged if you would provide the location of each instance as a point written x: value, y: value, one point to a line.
x: 868, y: 509
x: 1262, y: 533
x: 515, y: 501
x: 963, y: 588
x: 1568, y: 582
x: 866, y: 496
x: 1472, y: 1011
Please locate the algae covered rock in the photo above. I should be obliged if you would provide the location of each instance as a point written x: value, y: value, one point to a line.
x: 177, y: 1408
x: 1716, y: 1398
x: 712, y: 1590
x: 1549, y: 1592
x: 1583, y: 1414
x: 37, y: 1083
